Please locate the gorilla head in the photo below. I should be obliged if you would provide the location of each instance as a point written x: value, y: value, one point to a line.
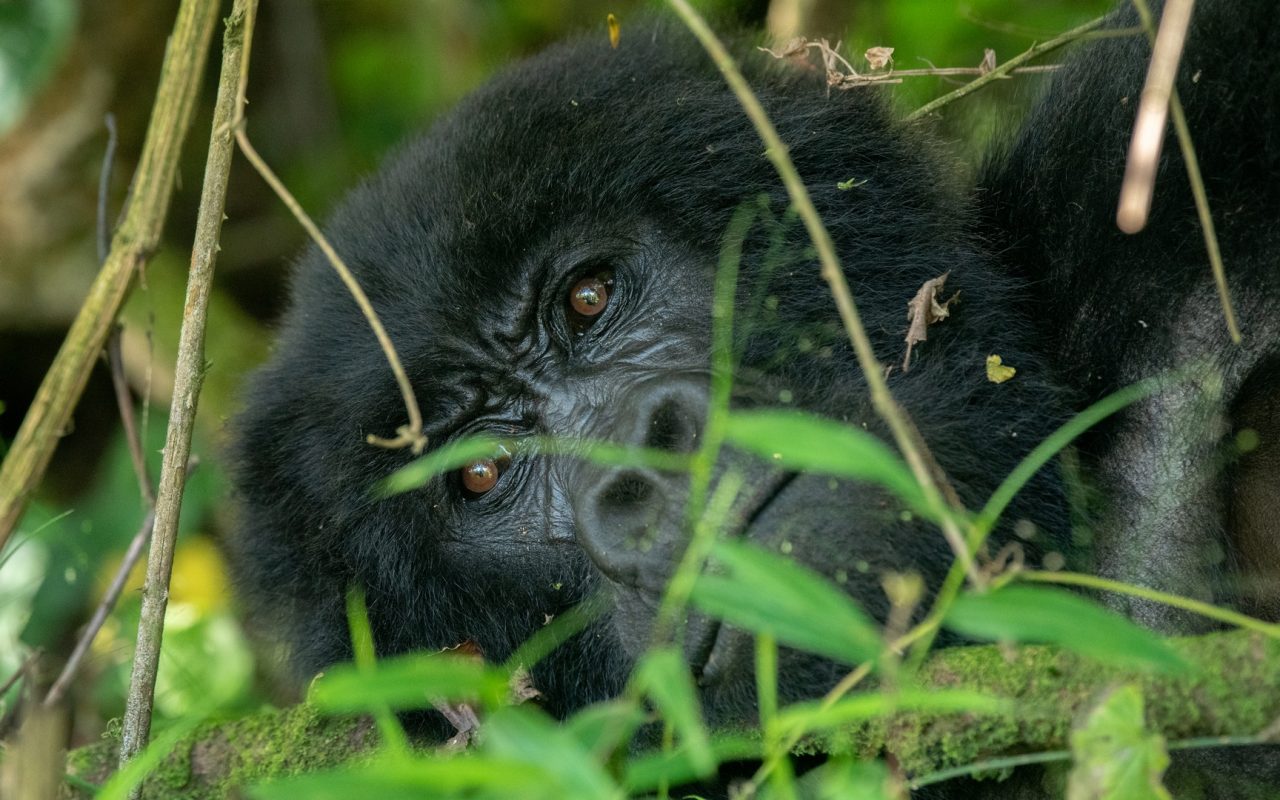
x: 544, y: 261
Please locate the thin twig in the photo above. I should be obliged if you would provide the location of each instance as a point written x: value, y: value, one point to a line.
x: 104, y: 187
x: 910, y: 445
x: 1007, y: 67
x: 1153, y: 111
x: 134, y: 241
x: 410, y: 435
x: 1224, y: 615
x: 124, y: 402
x: 1192, y: 162
x: 842, y: 75
x: 19, y: 672
x: 100, y: 614
x: 188, y: 378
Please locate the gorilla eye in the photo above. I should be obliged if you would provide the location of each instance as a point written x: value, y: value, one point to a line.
x: 479, y: 477
x: 588, y: 299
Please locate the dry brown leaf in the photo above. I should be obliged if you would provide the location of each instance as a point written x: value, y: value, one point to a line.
x: 924, y: 310
x: 878, y: 57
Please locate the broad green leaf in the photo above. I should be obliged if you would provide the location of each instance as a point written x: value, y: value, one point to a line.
x: 453, y: 455
x: 1116, y: 757
x: 768, y: 593
x: 795, y: 440
x: 521, y: 734
x: 1042, y: 614
x: 603, y: 727
x: 812, y: 717
x: 398, y: 779
x: 648, y: 771
x: 841, y: 779
x: 449, y: 456
x: 665, y: 677
x: 408, y: 681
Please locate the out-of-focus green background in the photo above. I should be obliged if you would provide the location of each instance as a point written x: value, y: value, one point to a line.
x: 334, y: 85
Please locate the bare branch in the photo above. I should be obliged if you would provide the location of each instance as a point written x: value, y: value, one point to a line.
x: 188, y: 378
x: 1153, y: 110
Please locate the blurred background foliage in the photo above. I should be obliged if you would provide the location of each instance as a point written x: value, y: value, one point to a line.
x: 334, y: 85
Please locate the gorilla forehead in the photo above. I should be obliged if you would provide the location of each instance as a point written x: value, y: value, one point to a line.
x: 572, y: 138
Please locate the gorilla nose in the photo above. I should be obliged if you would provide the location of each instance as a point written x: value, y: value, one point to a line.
x: 630, y: 519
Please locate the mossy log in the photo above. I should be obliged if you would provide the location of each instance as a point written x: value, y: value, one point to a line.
x: 1232, y: 689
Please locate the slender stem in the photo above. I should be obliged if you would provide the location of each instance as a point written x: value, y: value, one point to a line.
x: 188, y: 378
x: 1035, y: 51
x: 410, y: 435
x: 1153, y: 110
x: 100, y: 614
x: 1008, y: 762
x: 132, y: 245
x: 913, y: 450
x: 1186, y: 603
x: 1198, y: 193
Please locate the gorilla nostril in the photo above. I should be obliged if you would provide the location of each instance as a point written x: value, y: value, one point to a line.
x: 672, y: 427
x: 627, y: 494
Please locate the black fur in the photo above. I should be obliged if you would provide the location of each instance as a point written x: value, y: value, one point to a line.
x: 635, y: 160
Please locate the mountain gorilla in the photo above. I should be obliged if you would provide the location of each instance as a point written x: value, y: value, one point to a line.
x: 543, y: 259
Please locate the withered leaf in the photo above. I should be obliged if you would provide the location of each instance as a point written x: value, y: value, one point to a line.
x: 997, y: 370
x: 924, y: 310
x: 878, y: 57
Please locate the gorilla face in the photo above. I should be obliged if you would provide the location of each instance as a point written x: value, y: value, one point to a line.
x: 544, y: 261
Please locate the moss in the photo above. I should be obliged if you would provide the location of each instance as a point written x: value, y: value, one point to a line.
x: 220, y: 757
x: 1231, y: 688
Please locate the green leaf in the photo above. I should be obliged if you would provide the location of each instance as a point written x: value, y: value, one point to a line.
x: 646, y: 772
x: 841, y: 778
x: 447, y: 457
x: 798, y: 441
x: 768, y: 593
x: 603, y: 727
x: 812, y: 717
x: 665, y: 677
x: 34, y: 35
x: 1116, y: 757
x: 521, y: 734
x: 1042, y: 614
x: 408, y: 681
x: 399, y: 779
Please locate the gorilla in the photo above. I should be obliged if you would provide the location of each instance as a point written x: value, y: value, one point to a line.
x: 544, y: 259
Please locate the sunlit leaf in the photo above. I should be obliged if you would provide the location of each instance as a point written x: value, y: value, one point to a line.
x: 394, y: 779
x: 603, y: 727
x: 522, y: 734
x: 1116, y: 757
x: 445, y: 458
x: 795, y: 440
x: 647, y: 771
x: 768, y: 593
x: 1042, y: 614
x: 407, y: 681
x: 665, y: 677
x: 812, y: 717
x: 841, y: 779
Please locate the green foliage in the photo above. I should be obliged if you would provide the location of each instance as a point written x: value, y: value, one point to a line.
x: 1041, y: 614
x: 795, y: 440
x: 664, y: 676
x: 408, y: 681
x: 1116, y: 757
x: 764, y: 592
x: 33, y: 36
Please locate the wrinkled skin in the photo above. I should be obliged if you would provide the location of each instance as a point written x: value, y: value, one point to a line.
x: 630, y: 164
